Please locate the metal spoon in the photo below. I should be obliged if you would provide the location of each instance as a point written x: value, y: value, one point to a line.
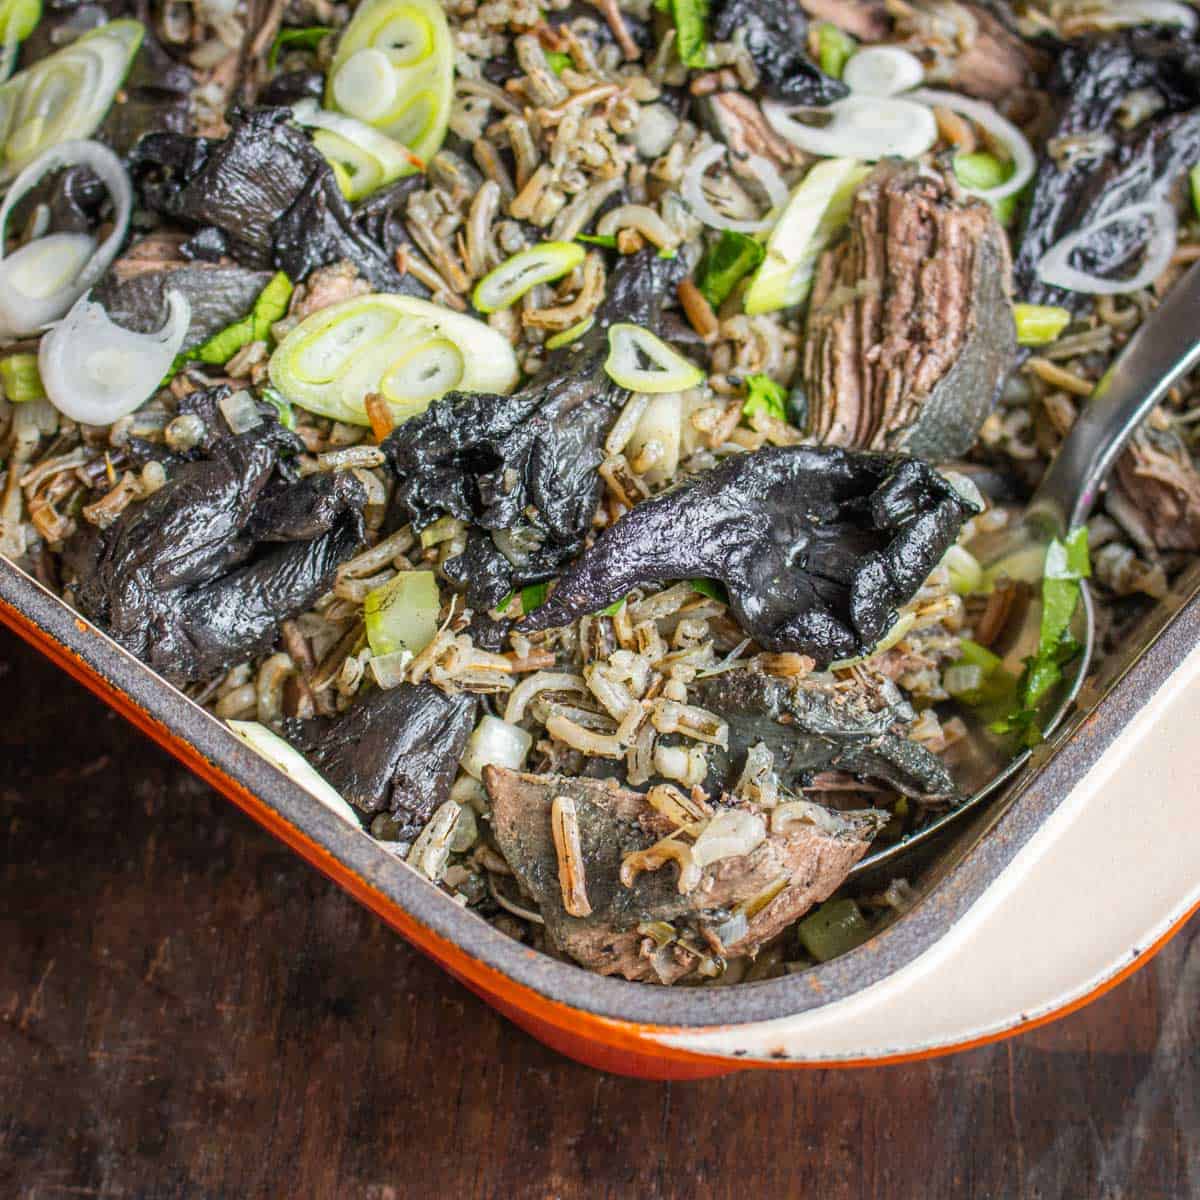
x: 1165, y: 346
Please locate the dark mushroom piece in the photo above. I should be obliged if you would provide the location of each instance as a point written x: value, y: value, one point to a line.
x: 910, y: 331
x: 806, y: 860
x: 396, y: 749
x: 1128, y: 129
x: 521, y: 469
x: 817, y: 547
x: 200, y: 575
x: 811, y: 727
x: 264, y: 195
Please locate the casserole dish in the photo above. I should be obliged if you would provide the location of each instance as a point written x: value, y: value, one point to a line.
x: 1062, y: 886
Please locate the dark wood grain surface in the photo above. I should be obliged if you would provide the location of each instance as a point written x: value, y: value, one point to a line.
x: 186, y: 1010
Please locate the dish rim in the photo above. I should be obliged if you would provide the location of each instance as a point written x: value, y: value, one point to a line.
x: 359, y: 864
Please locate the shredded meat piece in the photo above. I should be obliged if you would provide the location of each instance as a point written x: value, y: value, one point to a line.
x: 1157, y: 478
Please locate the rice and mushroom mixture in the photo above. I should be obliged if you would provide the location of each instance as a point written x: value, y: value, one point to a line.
x: 571, y: 483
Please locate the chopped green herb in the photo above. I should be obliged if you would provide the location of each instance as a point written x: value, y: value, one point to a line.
x: 1039, y: 324
x: 533, y: 596
x: 607, y: 240
x: 308, y: 38
x: 731, y: 257
x: 19, y: 374
x: 714, y: 589
x: 557, y: 61
x: 834, y: 48
x: 765, y: 396
x: 255, y: 326
x: 691, y: 31
x: 614, y: 608
x: 1067, y: 564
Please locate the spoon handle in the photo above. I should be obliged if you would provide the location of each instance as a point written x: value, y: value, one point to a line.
x: 1166, y: 345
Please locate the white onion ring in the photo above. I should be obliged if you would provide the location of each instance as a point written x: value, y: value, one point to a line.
x: 984, y: 115
x: 96, y: 372
x: 1055, y: 269
x: 22, y: 314
x: 867, y: 127
x: 1144, y: 12
x: 392, y: 156
x: 883, y: 71
x: 692, y: 190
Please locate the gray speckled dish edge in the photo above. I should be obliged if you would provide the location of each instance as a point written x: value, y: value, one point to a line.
x: 973, y: 861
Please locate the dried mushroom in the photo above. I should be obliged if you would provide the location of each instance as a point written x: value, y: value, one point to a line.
x: 817, y: 548
x: 646, y: 927
x: 910, y: 331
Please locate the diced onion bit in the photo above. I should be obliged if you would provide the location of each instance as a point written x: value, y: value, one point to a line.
x: 407, y: 351
x: 96, y: 372
x: 495, y: 743
x: 1003, y: 132
x: 402, y: 614
x: 66, y: 95
x: 364, y: 159
x: 819, y: 206
x: 867, y: 127
x: 1039, y: 324
x: 630, y: 345
x: 732, y: 833
x: 294, y: 765
x: 504, y: 286
x: 883, y: 71
x: 394, y: 71
x: 1055, y: 266
x: 564, y: 824
x: 42, y: 279
x: 692, y: 190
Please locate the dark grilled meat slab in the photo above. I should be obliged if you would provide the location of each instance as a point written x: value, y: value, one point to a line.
x: 200, y: 576
x: 910, y: 331
x: 817, y: 548
x: 814, y: 859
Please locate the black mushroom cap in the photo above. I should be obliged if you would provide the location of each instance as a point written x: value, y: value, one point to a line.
x: 817, y: 547
x: 200, y: 576
x: 525, y: 466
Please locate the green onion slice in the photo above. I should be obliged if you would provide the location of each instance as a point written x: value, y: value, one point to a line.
x: 570, y: 335
x: 818, y: 207
x: 18, y: 19
x: 409, y: 351
x: 543, y: 263
x: 66, y: 95
x: 270, y: 306
x: 363, y: 159
x: 394, y: 71
x: 20, y: 377
x: 669, y: 371
x: 402, y: 614
x: 307, y: 38
x: 834, y: 48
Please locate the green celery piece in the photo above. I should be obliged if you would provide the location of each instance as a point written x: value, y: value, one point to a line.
x: 766, y: 396
x: 832, y: 929
x: 255, y: 326
x: 557, y: 61
x: 282, y: 405
x: 728, y: 260
x: 21, y: 379
x: 1039, y: 324
x: 834, y: 49
x: 981, y: 170
x: 691, y: 31
x: 308, y: 38
x: 534, y: 596
x: 976, y: 655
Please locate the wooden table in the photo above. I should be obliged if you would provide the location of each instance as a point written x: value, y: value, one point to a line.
x: 187, y: 1010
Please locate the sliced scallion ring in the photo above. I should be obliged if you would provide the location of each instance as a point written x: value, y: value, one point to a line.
x: 42, y: 279
x: 409, y: 351
x: 18, y: 19
x: 559, y: 340
x: 96, y: 372
x: 629, y: 346
x: 543, y: 263
x: 394, y: 71
x: 66, y: 95
x: 818, y: 208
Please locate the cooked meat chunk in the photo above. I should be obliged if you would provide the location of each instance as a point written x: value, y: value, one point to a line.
x: 867, y: 20
x: 910, y: 331
x: 817, y: 548
x: 522, y: 468
x: 774, y: 33
x: 200, y: 576
x: 810, y: 859
x: 1157, y: 488
x: 1129, y: 128
x: 811, y: 727
x: 397, y: 749
x: 264, y: 195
